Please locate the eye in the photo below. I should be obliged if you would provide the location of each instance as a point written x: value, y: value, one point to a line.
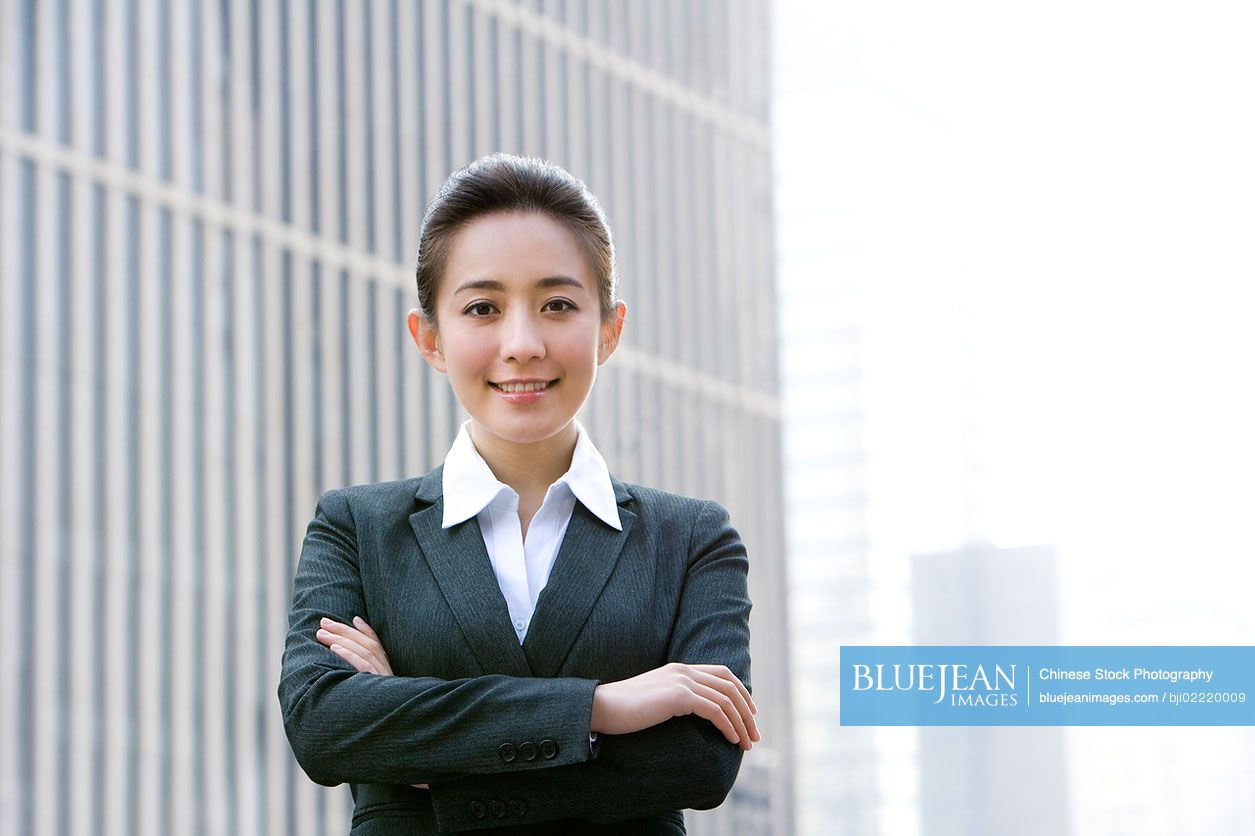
x: 569, y: 305
x: 478, y: 310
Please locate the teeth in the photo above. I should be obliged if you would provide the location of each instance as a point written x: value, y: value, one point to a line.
x: 521, y: 387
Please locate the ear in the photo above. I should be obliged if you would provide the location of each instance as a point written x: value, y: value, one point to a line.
x: 610, y: 333
x: 427, y: 339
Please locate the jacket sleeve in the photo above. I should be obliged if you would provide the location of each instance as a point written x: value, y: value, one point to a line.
x: 683, y: 763
x: 346, y: 726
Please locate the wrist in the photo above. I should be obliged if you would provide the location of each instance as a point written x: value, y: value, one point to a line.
x: 597, y: 721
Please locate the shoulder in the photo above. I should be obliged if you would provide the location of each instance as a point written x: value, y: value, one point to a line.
x: 657, y: 502
x: 371, y: 499
x: 703, y: 524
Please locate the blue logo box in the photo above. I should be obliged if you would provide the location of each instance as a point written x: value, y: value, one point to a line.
x: 934, y: 685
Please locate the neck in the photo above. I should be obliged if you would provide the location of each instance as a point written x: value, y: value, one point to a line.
x: 530, y: 468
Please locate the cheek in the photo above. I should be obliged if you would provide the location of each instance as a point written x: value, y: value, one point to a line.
x: 466, y: 356
x: 578, y: 350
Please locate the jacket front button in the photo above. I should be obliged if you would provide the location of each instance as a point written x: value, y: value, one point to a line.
x: 477, y: 809
x: 518, y: 806
x: 549, y: 749
x: 497, y: 808
x: 507, y: 752
x: 528, y: 750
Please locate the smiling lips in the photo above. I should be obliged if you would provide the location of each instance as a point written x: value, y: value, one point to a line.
x: 512, y: 388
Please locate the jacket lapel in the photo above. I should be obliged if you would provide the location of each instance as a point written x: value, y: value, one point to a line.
x: 588, y: 554
x: 460, y: 562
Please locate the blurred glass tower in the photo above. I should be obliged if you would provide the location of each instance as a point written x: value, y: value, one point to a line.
x: 997, y: 779
x: 208, y: 213
x: 843, y: 779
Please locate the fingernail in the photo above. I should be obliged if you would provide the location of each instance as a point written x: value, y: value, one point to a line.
x: 357, y: 619
x: 324, y: 622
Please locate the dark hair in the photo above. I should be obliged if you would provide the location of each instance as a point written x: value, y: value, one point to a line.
x: 501, y: 183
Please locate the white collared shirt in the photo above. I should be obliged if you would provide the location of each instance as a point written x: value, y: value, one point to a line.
x: 522, y: 567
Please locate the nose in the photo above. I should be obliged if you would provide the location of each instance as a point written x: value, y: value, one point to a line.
x: 521, y: 338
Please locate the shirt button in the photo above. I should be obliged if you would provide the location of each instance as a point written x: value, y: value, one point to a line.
x: 520, y: 624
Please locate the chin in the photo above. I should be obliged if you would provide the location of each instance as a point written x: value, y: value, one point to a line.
x: 523, y: 429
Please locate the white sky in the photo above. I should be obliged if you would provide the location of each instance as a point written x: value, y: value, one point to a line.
x: 1050, y: 212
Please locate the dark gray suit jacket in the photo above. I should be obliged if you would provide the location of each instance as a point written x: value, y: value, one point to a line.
x: 500, y: 730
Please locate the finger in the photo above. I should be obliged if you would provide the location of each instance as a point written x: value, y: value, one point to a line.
x: 709, y: 710
x: 366, y: 636
x: 370, y: 651
x: 327, y: 636
x: 360, y: 664
x: 723, y: 675
x: 728, y: 707
x: 738, y: 698
x: 724, y: 672
x: 344, y: 641
x: 368, y: 642
x: 361, y: 624
x: 726, y: 687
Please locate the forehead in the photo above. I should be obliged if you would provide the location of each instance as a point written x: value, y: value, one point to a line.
x: 516, y: 249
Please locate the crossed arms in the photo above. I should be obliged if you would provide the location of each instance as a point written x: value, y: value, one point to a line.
x: 667, y: 735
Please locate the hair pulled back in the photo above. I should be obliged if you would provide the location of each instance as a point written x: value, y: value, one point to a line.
x: 501, y: 183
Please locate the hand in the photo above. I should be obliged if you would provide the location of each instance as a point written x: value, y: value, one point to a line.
x: 360, y: 647
x: 674, y: 690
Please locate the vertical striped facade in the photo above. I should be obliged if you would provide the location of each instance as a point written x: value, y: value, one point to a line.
x: 208, y: 215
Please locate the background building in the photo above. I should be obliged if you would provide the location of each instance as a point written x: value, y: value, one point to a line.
x: 208, y: 214
x: 996, y: 779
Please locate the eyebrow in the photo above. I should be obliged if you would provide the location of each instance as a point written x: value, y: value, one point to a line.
x: 493, y: 284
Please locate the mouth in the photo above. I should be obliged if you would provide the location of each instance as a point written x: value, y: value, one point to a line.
x: 522, y: 388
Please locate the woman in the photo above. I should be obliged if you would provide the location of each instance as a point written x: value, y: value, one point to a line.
x: 518, y: 639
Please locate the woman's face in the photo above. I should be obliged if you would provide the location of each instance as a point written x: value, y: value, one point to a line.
x: 518, y: 304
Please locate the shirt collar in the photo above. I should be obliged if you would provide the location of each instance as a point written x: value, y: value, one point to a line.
x: 469, y: 485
